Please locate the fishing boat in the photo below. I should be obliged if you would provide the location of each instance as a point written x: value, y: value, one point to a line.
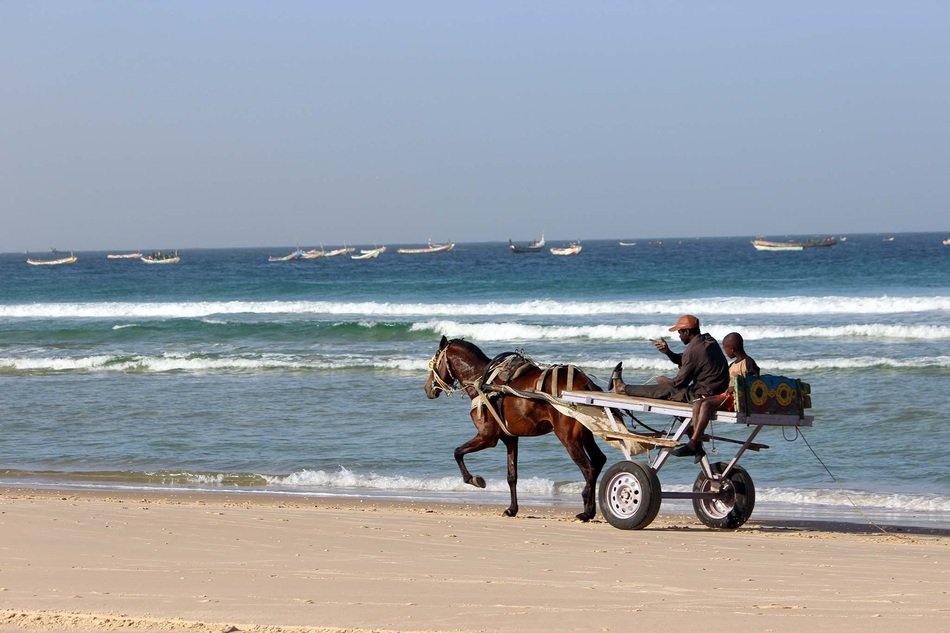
x: 379, y: 249
x: 53, y: 262
x: 533, y: 247
x: 346, y: 250
x: 297, y: 254
x: 159, y: 257
x: 946, y: 242
x: 431, y: 248
x: 767, y: 245
x: 574, y: 248
x: 371, y: 253
x: 821, y: 242
x: 627, y: 243
x: 124, y: 256
x: 313, y: 253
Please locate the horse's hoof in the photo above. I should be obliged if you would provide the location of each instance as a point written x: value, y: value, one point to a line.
x: 616, y: 375
x: 478, y: 481
x: 509, y: 512
x: 584, y: 517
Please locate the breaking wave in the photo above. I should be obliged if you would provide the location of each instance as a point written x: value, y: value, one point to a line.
x: 278, y: 362
x: 710, y: 306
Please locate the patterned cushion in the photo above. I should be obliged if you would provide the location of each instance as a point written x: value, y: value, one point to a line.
x: 772, y: 394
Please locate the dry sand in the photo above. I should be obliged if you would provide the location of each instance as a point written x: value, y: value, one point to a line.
x: 214, y: 562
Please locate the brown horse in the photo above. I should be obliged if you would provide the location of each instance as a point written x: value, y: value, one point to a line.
x: 461, y: 363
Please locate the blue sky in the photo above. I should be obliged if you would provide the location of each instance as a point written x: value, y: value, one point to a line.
x: 190, y: 124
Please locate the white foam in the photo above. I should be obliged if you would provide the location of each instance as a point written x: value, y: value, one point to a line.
x: 708, y: 306
x: 539, y: 486
x: 172, y: 363
x: 344, y: 478
x: 512, y: 331
x: 858, y: 499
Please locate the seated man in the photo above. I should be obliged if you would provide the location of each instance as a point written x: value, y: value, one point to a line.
x: 703, y: 409
x: 703, y: 368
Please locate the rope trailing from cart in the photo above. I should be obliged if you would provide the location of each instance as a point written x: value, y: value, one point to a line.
x: 843, y: 491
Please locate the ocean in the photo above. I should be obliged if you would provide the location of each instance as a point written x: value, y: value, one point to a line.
x: 227, y: 372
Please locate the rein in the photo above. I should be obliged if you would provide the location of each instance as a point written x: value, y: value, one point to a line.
x: 448, y: 388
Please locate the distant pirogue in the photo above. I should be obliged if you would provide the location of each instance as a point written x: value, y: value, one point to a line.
x: 53, y: 262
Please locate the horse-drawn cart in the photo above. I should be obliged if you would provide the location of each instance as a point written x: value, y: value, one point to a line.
x: 512, y: 397
x: 723, y: 494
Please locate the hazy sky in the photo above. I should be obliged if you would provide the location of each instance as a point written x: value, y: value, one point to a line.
x: 188, y: 124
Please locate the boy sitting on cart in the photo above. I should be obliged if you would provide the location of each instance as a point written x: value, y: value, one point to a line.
x: 704, y: 408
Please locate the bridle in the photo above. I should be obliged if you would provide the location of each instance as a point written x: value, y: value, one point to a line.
x: 439, y: 359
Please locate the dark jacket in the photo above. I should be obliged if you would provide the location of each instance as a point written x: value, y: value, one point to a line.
x: 703, y: 367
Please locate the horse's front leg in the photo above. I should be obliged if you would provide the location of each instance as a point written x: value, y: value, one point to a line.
x: 511, y: 443
x: 477, y: 443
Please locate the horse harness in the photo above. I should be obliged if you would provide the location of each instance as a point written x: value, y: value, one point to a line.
x: 495, y: 384
x: 506, y: 367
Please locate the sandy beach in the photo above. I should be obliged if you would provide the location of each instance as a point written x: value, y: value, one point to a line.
x: 97, y: 561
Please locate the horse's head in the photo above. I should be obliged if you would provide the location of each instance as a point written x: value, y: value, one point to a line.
x: 440, y: 377
x: 456, y: 364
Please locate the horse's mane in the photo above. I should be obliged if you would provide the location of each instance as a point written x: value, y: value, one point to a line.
x: 471, y: 347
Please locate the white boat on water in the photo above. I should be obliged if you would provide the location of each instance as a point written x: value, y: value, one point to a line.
x: 379, y: 249
x: 946, y: 242
x: 766, y: 245
x: 627, y: 243
x: 372, y: 253
x: 313, y: 253
x: 346, y: 250
x: 53, y: 262
x: 297, y: 254
x: 431, y: 248
x: 161, y: 258
x: 574, y: 248
x: 124, y: 255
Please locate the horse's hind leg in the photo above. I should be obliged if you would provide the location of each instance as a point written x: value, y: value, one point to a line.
x: 477, y: 443
x: 590, y: 462
x: 511, y: 443
x: 597, y: 460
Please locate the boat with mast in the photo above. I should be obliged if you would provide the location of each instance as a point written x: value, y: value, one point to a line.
x: 533, y: 247
x: 371, y: 253
x: 344, y: 250
x: 297, y: 254
x: 57, y: 261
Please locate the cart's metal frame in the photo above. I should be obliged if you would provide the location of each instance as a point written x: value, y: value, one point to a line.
x: 712, y: 489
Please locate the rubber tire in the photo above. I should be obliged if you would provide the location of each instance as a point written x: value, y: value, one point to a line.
x: 734, y: 507
x: 629, y: 495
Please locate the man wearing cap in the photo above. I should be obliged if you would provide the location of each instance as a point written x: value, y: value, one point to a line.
x: 703, y: 367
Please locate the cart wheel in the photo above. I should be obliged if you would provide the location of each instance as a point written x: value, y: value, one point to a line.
x: 733, y: 505
x: 630, y: 495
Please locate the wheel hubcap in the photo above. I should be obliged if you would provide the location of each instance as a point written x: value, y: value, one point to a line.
x: 725, y: 501
x: 625, y: 496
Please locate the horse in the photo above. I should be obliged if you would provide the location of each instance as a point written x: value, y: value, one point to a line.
x: 460, y: 364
